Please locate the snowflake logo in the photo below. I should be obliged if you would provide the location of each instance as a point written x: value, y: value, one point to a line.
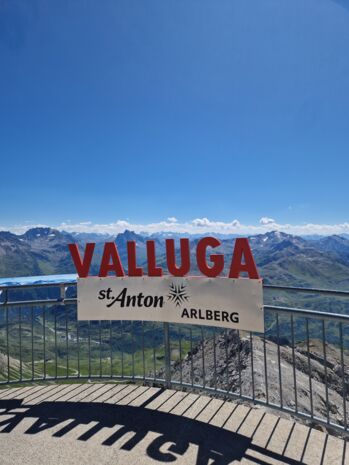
x: 178, y: 294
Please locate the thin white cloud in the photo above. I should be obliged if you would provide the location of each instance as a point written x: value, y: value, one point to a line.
x: 195, y: 226
x: 265, y: 220
x: 201, y: 222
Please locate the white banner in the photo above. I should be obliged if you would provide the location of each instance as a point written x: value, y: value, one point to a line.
x: 223, y: 302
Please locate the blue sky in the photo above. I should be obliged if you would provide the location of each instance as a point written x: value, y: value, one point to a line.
x: 142, y: 111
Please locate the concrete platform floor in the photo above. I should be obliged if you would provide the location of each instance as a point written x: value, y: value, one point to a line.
x: 102, y: 424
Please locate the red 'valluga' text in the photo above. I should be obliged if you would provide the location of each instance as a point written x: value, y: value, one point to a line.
x: 212, y: 265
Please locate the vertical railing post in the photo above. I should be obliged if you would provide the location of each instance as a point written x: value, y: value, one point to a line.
x: 167, y: 355
x: 62, y: 294
x: 7, y: 333
x: 62, y: 291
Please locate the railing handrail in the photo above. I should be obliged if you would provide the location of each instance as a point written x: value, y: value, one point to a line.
x: 308, y: 313
x: 308, y: 290
x: 301, y: 312
x: 72, y: 281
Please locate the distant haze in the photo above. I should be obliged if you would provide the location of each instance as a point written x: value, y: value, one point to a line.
x: 196, y: 226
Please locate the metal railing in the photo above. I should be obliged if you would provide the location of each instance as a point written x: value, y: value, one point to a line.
x: 299, y: 365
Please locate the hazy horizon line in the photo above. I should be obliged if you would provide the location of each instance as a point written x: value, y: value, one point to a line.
x: 195, y: 226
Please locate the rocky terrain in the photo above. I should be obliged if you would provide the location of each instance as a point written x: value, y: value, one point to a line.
x: 228, y: 366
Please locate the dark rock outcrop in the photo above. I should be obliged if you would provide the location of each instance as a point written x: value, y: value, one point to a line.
x: 296, y: 379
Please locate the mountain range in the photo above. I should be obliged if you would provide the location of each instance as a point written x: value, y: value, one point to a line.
x: 281, y: 258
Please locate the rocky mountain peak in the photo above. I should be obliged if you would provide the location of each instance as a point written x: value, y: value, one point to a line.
x: 127, y: 235
x: 34, y: 233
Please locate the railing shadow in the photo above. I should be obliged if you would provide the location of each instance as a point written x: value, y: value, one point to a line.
x: 174, y: 433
